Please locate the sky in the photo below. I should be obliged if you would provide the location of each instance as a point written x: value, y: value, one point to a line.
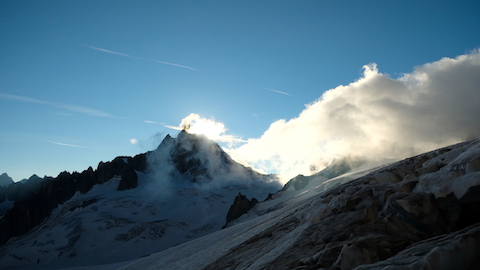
x: 283, y: 86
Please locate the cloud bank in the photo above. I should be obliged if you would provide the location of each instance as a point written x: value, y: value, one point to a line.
x: 376, y: 117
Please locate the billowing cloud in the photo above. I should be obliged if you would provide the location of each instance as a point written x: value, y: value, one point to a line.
x: 376, y: 117
x: 214, y: 130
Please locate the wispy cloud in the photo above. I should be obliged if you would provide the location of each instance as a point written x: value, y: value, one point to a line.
x: 22, y: 99
x: 173, y: 127
x: 67, y: 144
x: 84, y: 110
x: 138, y: 58
x: 108, y: 51
x: 277, y: 91
x: 153, y: 122
x: 69, y: 107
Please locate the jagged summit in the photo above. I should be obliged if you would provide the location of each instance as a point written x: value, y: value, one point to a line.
x: 194, y: 158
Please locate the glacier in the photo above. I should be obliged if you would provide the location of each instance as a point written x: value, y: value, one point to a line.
x: 418, y: 213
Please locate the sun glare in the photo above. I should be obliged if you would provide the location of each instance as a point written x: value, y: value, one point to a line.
x: 208, y: 128
x: 212, y: 129
x: 196, y: 124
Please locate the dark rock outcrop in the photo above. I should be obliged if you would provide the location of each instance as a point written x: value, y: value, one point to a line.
x: 3, y: 195
x: 240, y: 206
x: 139, y: 162
x: 85, y: 180
x: 129, y: 179
x: 21, y: 190
x: 120, y: 167
x: 18, y: 191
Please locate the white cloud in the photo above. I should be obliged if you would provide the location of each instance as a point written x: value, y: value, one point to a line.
x: 133, y: 141
x: 376, y: 117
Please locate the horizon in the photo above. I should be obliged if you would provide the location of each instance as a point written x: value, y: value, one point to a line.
x: 284, y: 87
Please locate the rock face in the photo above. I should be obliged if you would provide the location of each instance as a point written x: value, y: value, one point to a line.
x: 240, y: 206
x: 419, y: 213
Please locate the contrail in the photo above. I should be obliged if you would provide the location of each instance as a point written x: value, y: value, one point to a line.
x: 70, y: 107
x: 276, y: 91
x: 153, y: 122
x: 138, y: 58
x: 173, y: 127
x: 66, y: 144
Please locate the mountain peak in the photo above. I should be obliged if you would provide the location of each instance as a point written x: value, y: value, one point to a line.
x: 5, y: 180
x: 192, y: 157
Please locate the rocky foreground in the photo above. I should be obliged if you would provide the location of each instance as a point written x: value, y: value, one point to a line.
x: 419, y: 213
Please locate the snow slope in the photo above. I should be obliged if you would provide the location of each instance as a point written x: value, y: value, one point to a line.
x: 418, y: 213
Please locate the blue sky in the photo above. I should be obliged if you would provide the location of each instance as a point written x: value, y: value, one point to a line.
x: 79, y: 80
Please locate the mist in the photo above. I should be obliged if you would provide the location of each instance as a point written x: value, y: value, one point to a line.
x: 377, y: 117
